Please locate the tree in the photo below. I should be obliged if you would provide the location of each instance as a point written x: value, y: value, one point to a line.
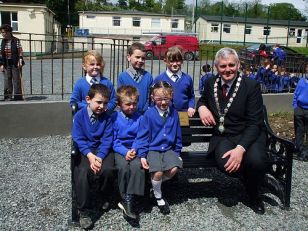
x: 256, y: 10
x: 174, y: 6
x: 122, y: 4
x: 285, y: 11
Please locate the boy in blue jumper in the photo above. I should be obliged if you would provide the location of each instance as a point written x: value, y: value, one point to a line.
x: 93, y: 65
x: 206, y: 68
x: 182, y: 83
x: 92, y: 134
x: 300, y: 106
x: 126, y: 122
x: 136, y: 76
x: 159, y: 141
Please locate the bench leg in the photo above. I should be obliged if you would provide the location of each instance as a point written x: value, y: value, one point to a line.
x: 74, y: 220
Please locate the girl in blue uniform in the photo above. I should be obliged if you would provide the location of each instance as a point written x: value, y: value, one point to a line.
x: 93, y: 65
x: 183, y: 86
x: 159, y: 141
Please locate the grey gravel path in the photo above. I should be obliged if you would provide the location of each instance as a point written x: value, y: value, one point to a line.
x: 35, y: 195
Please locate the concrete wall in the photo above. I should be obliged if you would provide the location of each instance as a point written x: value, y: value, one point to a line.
x: 34, y: 119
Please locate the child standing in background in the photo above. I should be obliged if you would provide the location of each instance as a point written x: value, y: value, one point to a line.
x: 182, y: 83
x: 93, y: 65
x: 159, y: 141
x: 206, y: 68
x: 136, y: 76
x: 92, y: 135
x: 125, y: 127
x: 300, y: 106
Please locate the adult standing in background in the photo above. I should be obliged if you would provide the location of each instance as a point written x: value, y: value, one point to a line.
x: 234, y: 107
x: 11, y: 62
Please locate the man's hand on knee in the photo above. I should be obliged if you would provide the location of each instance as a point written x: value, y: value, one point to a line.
x: 235, y: 159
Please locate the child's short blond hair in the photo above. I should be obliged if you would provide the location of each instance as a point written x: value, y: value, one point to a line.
x: 127, y: 91
x: 99, y: 58
x: 174, y: 53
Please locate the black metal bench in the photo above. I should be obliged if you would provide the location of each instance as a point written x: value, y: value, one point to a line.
x: 280, y: 151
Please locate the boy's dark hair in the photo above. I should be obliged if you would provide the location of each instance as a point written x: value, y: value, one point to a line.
x: 174, y: 53
x: 206, y: 68
x: 6, y: 28
x: 99, y: 89
x: 127, y: 91
x: 135, y: 46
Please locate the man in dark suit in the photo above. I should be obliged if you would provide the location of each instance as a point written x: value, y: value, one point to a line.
x: 233, y: 105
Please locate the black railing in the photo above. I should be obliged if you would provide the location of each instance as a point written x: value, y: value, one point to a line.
x: 53, y: 66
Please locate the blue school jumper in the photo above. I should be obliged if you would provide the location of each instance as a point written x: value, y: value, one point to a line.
x: 301, y: 94
x: 82, y: 88
x: 158, y: 134
x: 202, y: 81
x: 125, y: 131
x: 143, y: 88
x: 183, y: 91
x: 92, y: 137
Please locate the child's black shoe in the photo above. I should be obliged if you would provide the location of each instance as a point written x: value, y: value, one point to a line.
x: 127, y: 208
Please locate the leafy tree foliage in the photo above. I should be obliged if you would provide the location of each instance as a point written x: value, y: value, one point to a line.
x: 255, y: 9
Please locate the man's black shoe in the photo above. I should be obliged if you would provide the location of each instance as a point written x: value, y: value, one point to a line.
x: 164, y: 209
x: 302, y: 156
x: 127, y: 208
x: 257, y: 205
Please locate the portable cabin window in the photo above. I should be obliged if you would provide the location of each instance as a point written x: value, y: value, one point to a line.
x: 10, y: 18
x: 292, y: 32
x: 136, y: 21
x: 248, y: 29
x: 227, y: 28
x: 214, y: 27
x: 116, y: 21
x: 155, y: 22
x: 266, y: 30
x: 174, y: 23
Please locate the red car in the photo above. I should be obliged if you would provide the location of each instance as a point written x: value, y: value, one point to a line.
x: 157, y: 46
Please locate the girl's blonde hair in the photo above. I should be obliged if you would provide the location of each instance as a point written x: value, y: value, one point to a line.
x: 167, y: 88
x: 99, y: 58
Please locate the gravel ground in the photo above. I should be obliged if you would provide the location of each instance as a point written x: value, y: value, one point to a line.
x: 35, y: 195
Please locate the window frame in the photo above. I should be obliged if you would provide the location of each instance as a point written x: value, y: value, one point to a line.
x: 248, y: 28
x: 226, y: 28
x: 136, y: 20
x: 214, y: 27
x: 174, y: 23
x: 116, y: 21
x: 267, y: 30
x: 13, y: 23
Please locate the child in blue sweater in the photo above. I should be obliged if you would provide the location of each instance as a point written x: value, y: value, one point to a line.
x: 136, y: 76
x: 125, y: 127
x: 159, y: 141
x: 300, y: 106
x: 206, y: 68
x: 92, y: 134
x: 182, y: 83
x: 93, y: 65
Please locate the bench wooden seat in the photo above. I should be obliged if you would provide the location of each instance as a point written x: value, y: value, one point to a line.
x: 280, y: 151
